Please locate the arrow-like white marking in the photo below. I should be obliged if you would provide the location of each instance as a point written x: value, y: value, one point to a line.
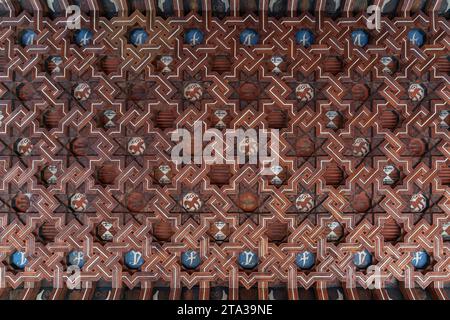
x: 40, y: 294
x: 50, y: 4
x: 161, y: 5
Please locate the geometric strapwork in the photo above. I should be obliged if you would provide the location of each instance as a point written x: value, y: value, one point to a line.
x: 93, y: 97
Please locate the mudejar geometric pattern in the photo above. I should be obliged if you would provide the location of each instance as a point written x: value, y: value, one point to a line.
x: 88, y: 188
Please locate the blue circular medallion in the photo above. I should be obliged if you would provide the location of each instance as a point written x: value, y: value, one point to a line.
x: 193, y: 37
x: 249, y: 37
x: 360, y: 38
x: 362, y: 259
x: 305, y: 260
x: 133, y: 259
x: 27, y: 37
x: 19, y: 260
x: 76, y: 258
x: 304, y: 37
x: 138, y: 36
x: 248, y: 259
x: 420, y: 259
x: 416, y: 37
x: 83, y: 37
x: 190, y: 259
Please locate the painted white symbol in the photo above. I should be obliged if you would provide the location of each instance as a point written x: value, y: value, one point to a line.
x: 226, y: 4
x: 248, y: 39
x: 29, y: 39
x: 417, y: 257
x: 305, y: 40
x: 23, y: 259
x: 40, y: 294
x: 414, y: 39
x: 136, y: 257
x: 195, y: 38
x: 78, y: 258
x: 85, y: 39
x: 304, y: 258
x: 74, y: 20
x: 161, y: 5
x: 191, y: 257
x: 271, y: 296
x: 224, y: 295
x: 361, y: 257
x: 248, y: 257
x: 50, y: 4
x: 140, y: 39
x: 357, y: 40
